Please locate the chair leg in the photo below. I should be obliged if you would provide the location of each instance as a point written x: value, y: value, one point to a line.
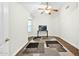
x: 47, y: 33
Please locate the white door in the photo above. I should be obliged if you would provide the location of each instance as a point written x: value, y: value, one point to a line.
x: 4, y: 27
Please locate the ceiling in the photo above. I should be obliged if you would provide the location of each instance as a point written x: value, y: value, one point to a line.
x: 32, y: 7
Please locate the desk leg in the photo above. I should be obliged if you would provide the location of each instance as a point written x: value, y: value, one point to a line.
x: 37, y: 33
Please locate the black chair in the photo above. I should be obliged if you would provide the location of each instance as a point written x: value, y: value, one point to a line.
x: 42, y: 28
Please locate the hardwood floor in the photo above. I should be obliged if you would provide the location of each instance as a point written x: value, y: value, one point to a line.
x: 39, y: 47
x: 70, y: 47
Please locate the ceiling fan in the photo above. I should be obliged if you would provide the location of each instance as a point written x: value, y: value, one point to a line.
x: 47, y: 9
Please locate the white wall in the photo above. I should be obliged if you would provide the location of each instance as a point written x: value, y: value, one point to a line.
x: 18, y: 27
x: 70, y: 26
x: 52, y: 22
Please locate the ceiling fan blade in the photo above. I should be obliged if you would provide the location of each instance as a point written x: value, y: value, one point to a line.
x: 55, y: 10
x: 40, y: 8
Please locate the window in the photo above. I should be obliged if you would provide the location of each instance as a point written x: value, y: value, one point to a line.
x: 29, y: 26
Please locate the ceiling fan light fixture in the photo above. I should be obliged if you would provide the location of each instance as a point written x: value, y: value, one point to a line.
x: 48, y: 11
x: 47, y: 8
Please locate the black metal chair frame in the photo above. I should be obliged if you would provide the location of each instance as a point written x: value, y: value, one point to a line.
x: 42, y: 31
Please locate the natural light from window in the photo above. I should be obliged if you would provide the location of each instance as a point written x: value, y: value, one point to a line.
x: 29, y: 26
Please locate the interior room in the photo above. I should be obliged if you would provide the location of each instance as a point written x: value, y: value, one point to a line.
x: 39, y: 29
